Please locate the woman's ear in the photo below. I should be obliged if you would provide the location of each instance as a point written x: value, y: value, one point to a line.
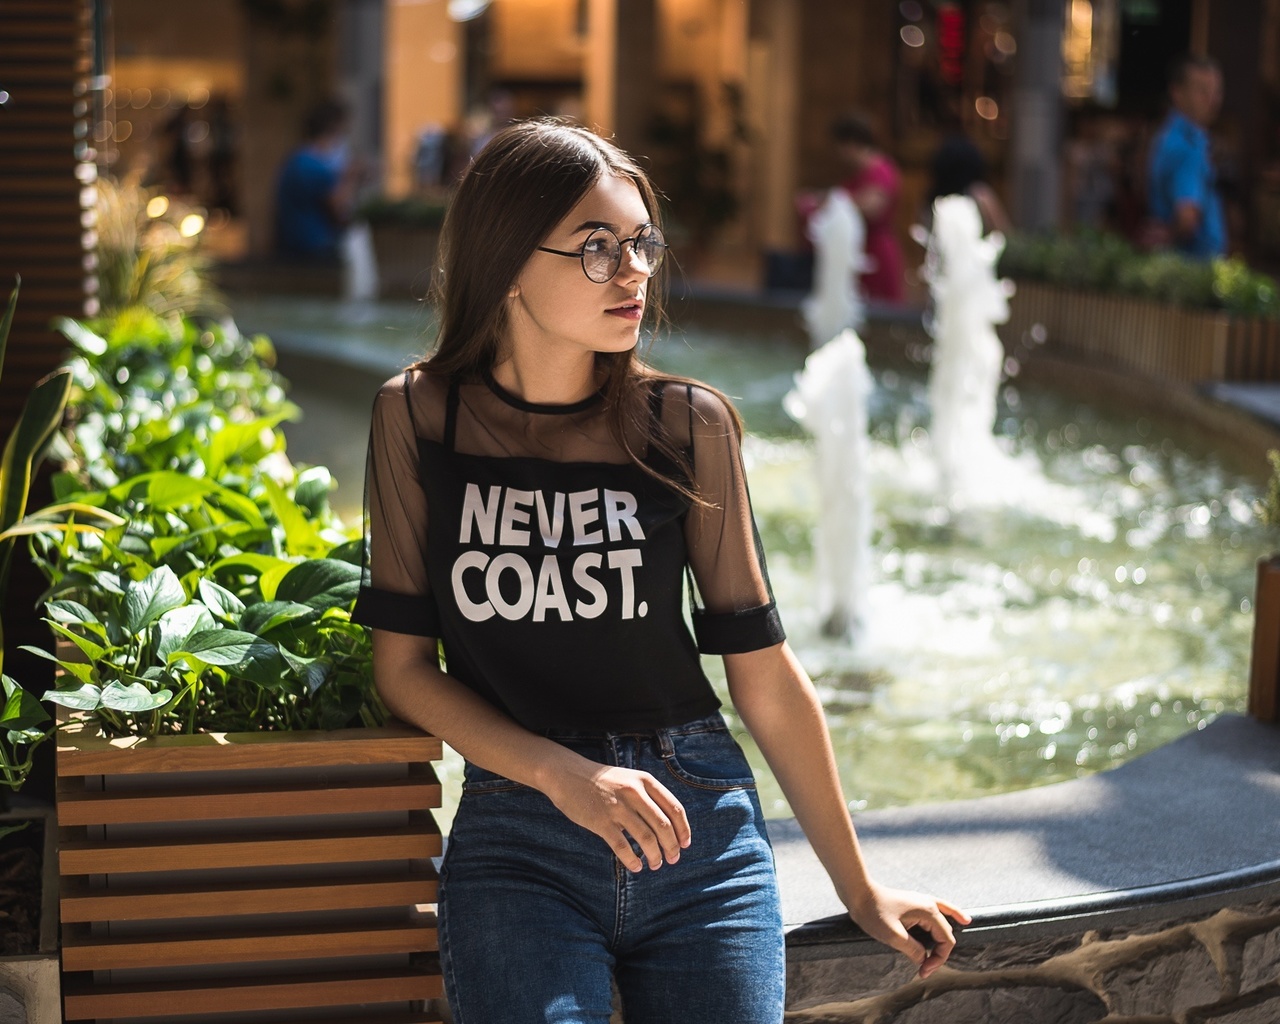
x: 513, y: 292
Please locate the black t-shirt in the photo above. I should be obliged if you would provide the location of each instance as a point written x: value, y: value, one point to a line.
x: 554, y: 567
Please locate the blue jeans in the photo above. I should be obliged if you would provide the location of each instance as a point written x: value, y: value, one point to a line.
x: 537, y: 916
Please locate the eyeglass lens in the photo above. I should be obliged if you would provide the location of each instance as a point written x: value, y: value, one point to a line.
x: 602, y: 252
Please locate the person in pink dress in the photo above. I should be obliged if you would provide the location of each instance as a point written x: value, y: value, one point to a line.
x: 874, y: 183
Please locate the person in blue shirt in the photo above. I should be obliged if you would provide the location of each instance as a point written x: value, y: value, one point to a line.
x: 316, y: 189
x: 1181, y: 190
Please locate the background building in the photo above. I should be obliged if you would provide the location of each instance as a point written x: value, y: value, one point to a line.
x: 730, y: 101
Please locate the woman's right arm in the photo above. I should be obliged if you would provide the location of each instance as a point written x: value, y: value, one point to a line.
x: 611, y: 801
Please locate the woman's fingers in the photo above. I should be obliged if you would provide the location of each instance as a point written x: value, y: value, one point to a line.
x: 621, y: 847
x: 672, y: 808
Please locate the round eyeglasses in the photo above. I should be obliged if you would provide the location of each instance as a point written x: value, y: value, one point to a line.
x: 601, y: 253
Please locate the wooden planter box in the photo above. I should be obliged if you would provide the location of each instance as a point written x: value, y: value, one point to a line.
x: 406, y: 257
x: 1151, y: 338
x: 1264, y: 668
x: 245, y: 873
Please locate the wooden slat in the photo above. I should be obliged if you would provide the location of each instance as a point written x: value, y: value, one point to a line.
x: 25, y: 51
x: 82, y: 754
x: 82, y: 902
x: 417, y: 840
x: 381, y: 1018
x: 78, y: 806
x: 82, y: 951
x: 83, y: 1002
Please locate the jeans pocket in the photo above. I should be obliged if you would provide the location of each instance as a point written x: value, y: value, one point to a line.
x: 479, y: 780
x: 707, y: 760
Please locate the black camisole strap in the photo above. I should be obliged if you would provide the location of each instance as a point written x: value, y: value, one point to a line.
x: 451, y: 415
x: 408, y: 401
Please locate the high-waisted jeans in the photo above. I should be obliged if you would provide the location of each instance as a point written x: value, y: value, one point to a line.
x: 537, y: 916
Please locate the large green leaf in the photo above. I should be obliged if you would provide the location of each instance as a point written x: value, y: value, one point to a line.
x: 85, y: 697
x: 21, y: 710
x: 220, y: 646
x: 320, y: 583
x: 146, y: 600
x: 92, y: 651
x: 220, y: 600
x: 264, y: 616
x: 179, y: 623
x: 300, y: 535
x: 134, y: 698
x: 22, y: 452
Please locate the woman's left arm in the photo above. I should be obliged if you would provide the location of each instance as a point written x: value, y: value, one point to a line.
x: 773, y: 695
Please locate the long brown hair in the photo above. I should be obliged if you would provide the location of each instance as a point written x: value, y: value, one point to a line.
x: 520, y: 186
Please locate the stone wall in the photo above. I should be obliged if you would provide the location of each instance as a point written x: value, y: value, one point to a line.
x: 1219, y: 969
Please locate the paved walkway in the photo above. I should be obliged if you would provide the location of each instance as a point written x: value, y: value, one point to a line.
x: 1259, y: 399
x: 1190, y: 822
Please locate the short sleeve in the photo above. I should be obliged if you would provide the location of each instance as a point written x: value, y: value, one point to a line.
x: 394, y: 593
x: 735, y: 610
x: 1186, y: 176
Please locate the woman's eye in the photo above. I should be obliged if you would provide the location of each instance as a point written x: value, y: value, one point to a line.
x: 595, y: 246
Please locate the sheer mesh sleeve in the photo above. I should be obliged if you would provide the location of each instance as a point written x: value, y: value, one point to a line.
x: 394, y: 594
x: 736, y: 611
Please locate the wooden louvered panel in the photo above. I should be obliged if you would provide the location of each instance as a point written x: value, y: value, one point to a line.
x: 84, y: 903
x: 78, y: 806
x: 340, y: 846
x: 89, y: 755
x: 57, y: 49
x: 82, y: 951
x: 84, y: 1002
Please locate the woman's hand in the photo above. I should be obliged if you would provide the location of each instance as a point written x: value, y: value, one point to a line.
x: 615, y: 803
x: 885, y: 914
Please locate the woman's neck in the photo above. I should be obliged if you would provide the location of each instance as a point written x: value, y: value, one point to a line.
x: 548, y: 381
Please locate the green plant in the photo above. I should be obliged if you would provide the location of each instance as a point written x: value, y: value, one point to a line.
x: 24, y: 724
x: 152, y: 393
x: 1103, y: 262
x: 146, y: 258
x: 219, y: 599
x: 1268, y: 509
x: 412, y: 211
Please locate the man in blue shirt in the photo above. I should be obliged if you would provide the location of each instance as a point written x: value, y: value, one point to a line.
x: 1181, y: 189
x: 316, y: 188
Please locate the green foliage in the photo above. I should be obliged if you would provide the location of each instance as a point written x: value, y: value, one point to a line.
x: 1268, y: 508
x: 147, y: 261
x: 1102, y: 262
x: 219, y: 598
x: 150, y: 393
x: 412, y: 211
x: 24, y: 725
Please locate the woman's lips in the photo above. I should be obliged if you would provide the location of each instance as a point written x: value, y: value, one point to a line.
x: 627, y: 312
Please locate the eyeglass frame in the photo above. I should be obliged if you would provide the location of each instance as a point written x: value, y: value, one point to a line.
x: 581, y: 254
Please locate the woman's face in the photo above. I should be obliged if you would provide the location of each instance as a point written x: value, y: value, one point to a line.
x: 555, y: 308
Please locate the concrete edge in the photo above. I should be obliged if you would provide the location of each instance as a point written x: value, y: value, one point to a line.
x: 839, y: 937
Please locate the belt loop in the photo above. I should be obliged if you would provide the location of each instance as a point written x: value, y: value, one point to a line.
x: 664, y: 743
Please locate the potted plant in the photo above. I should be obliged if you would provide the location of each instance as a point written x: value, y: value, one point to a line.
x: 231, y: 794
x: 1264, y: 669
x: 406, y: 238
x: 1163, y: 314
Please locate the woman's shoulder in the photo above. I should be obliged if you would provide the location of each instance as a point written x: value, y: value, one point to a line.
x: 691, y: 408
x: 414, y: 396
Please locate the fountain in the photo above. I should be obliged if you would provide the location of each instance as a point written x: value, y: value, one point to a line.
x: 830, y: 401
x: 359, y: 264
x: 967, y: 355
x: 838, y: 234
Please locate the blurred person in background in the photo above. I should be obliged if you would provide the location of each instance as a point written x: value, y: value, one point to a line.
x: 874, y: 184
x: 316, y: 190
x: 958, y: 168
x: 1183, y: 202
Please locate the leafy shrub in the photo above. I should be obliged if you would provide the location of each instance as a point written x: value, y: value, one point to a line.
x: 412, y: 211
x: 1103, y: 262
x: 221, y: 599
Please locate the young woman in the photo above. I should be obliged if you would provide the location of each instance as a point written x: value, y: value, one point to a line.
x: 537, y: 498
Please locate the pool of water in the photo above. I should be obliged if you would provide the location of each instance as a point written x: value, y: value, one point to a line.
x: 1096, y: 606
